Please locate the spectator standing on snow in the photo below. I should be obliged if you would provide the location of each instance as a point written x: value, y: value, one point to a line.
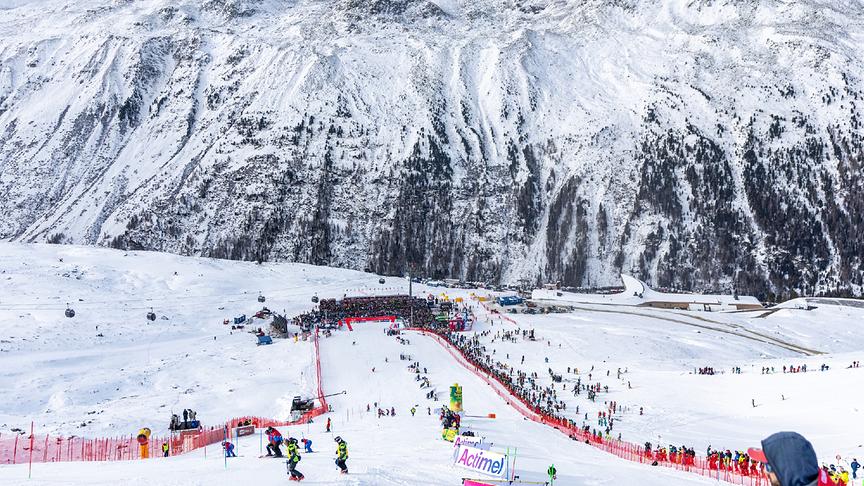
x: 328, y: 424
x: 165, y: 449
x: 855, y: 465
x: 843, y: 476
x: 789, y: 460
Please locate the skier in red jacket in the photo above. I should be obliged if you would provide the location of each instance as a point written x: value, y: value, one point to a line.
x: 274, y: 440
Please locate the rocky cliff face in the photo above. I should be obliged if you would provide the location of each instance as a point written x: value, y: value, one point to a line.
x: 696, y: 144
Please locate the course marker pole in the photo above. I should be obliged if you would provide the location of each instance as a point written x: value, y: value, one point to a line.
x: 507, y: 463
x: 30, y: 470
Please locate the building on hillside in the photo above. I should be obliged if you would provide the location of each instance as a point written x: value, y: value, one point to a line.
x: 637, y: 293
x: 701, y: 302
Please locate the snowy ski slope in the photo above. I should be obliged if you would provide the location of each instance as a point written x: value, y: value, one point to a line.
x: 56, y: 371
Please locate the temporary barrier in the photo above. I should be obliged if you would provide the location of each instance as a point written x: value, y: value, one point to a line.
x: 622, y: 449
x: 494, y: 311
x: 20, y: 449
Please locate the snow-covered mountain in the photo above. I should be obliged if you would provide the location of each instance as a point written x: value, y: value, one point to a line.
x: 692, y: 143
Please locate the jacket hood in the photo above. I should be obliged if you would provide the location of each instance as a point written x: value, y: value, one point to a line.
x: 792, y: 458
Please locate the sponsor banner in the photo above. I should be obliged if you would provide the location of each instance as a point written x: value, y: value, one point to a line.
x: 471, y: 482
x: 476, y: 442
x: 467, y: 441
x: 244, y: 430
x: 456, y: 398
x: 484, y: 462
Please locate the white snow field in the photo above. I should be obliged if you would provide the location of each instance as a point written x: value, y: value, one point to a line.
x: 57, y: 372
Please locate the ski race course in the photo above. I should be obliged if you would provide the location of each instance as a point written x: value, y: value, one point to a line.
x: 109, y: 371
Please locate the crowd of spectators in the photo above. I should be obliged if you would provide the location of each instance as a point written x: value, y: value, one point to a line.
x: 738, y: 462
x: 330, y: 312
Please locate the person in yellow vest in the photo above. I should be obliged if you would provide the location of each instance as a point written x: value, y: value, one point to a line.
x: 341, y: 455
x: 293, y: 459
x: 165, y: 449
x: 843, y: 476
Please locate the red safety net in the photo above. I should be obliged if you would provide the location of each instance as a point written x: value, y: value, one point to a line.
x: 21, y: 449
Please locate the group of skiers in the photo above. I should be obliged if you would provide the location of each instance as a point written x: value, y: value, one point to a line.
x: 292, y: 450
x: 384, y: 412
x: 449, y: 420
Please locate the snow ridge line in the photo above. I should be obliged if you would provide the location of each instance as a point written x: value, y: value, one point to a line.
x: 16, y: 450
x: 622, y: 449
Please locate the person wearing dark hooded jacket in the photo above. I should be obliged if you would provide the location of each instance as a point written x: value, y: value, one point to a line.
x: 789, y: 460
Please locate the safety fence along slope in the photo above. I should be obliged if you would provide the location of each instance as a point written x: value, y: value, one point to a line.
x: 27, y: 448
x: 632, y: 452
